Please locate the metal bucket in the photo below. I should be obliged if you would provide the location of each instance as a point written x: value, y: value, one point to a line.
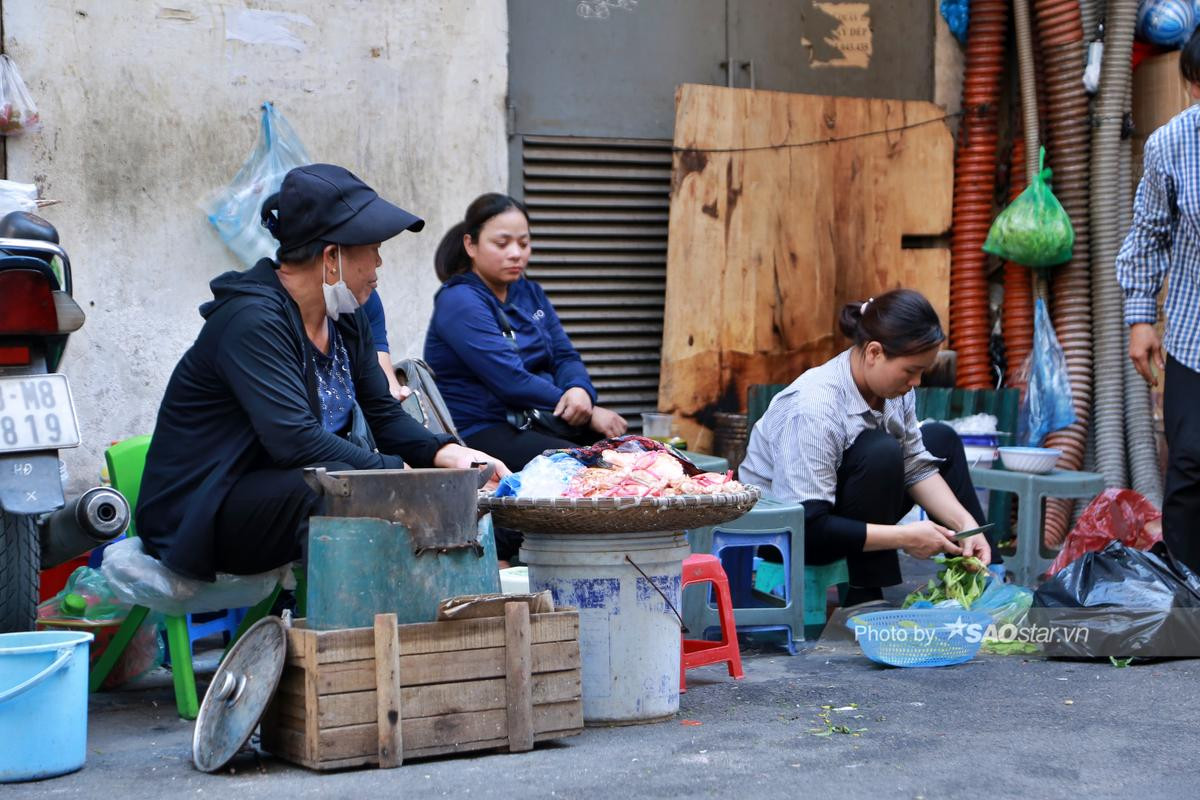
x: 396, y: 541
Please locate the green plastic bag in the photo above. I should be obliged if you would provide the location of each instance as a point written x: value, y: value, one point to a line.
x: 1034, y: 230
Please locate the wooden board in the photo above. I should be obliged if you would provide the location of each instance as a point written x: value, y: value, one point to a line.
x: 766, y: 243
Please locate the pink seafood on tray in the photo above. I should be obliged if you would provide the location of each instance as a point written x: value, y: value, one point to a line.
x: 653, y: 473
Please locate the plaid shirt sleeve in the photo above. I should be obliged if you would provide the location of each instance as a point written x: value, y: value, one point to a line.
x: 1146, y: 254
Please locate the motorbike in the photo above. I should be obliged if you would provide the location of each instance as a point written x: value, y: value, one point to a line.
x: 39, y: 528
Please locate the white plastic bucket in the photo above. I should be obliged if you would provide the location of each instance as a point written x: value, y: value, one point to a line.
x: 43, y: 704
x: 629, y: 638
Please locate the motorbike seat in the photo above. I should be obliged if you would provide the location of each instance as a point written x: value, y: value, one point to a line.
x: 24, y: 225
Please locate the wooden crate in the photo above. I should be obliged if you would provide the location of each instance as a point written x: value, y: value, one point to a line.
x: 380, y: 695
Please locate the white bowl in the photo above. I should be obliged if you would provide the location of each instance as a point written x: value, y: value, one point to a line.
x: 1038, y: 460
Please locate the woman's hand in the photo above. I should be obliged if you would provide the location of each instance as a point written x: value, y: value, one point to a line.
x: 455, y: 456
x: 978, y: 547
x: 608, y: 423
x: 926, y: 539
x: 574, y: 407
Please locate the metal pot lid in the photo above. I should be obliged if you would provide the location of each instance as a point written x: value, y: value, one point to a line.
x: 238, y: 694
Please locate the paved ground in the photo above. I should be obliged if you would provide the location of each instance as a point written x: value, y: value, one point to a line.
x: 994, y: 727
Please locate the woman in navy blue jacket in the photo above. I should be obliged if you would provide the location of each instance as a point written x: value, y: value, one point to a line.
x: 496, y: 344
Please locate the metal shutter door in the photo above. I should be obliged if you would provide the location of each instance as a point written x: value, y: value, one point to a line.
x: 598, y: 212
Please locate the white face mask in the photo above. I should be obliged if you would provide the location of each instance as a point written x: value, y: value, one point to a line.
x: 338, y: 297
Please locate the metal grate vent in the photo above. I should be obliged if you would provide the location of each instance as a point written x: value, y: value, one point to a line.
x: 598, y: 210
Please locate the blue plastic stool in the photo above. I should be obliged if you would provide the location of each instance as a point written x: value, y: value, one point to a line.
x: 817, y: 580
x: 223, y: 622
x: 778, y: 524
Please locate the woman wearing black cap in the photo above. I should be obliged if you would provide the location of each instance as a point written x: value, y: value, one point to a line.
x: 283, y: 376
x: 844, y: 440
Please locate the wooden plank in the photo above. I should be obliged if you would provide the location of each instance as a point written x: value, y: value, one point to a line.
x: 312, y: 750
x: 434, y: 668
x: 518, y: 659
x: 387, y: 690
x: 459, y: 732
x: 355, y: 644
x: 354, y: 708
x: 773, y: 227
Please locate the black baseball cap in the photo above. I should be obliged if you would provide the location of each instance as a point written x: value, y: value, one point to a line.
x: 328, y: 202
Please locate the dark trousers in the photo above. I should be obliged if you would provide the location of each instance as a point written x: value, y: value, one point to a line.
x: 1181, y: 501
x: 263, y: 521
x: 515, y: 448
x: 870, y: 488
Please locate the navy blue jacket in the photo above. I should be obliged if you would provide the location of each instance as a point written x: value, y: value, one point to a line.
x: 244, y: 398
x: 480, y: 374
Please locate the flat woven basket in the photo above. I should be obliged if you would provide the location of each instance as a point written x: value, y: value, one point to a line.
x: 617, y: 514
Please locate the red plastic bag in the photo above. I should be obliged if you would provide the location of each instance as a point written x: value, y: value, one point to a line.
x: 1114, y: 514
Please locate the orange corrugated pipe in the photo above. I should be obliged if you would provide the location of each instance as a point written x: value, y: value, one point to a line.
x: 974, y: 185
x: 1017, y: 312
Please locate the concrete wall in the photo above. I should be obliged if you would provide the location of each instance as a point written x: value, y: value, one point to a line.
x: 150, y: 106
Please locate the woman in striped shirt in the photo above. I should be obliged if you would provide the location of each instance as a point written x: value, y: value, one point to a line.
x: 843, y: 439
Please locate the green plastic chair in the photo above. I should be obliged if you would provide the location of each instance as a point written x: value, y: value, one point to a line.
x: 126, y: 463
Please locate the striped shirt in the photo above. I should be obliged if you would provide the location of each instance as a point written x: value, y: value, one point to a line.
x: 1164, y: 240
x: 795, y: 450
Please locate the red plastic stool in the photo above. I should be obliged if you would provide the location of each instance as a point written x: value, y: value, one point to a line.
x: 698, y: 652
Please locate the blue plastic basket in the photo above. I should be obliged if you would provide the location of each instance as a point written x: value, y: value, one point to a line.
x: 920, y: 637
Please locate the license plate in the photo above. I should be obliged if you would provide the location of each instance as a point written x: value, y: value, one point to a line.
x: 36, y: 413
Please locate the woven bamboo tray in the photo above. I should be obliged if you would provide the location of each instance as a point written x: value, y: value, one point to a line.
x: 616, y: 514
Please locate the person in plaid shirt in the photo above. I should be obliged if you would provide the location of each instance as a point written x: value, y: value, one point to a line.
x: 1164, y: 242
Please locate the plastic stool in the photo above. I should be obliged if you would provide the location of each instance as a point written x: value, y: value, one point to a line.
x: 817, y: 580
x: 698, y: 652
x: 223, y: 622
x: 770, y: 522
x: 1030, y: 561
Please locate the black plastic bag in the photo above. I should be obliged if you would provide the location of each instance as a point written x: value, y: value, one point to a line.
x: 1120, y: 602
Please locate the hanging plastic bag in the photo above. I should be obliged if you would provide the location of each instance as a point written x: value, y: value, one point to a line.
x: 1167, y: 23
x: 1034, y: 230
x: 234, y: 210
x: 17, y: 197
x: 1120, y: 602
x: 1115, y: 515
x: 1047, y: 405
x: 18, y: 114
x: 957, y: 14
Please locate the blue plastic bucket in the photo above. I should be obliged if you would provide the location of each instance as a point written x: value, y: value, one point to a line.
x: 43, y: 704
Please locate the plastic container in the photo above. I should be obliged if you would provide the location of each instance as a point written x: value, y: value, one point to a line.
x: 43, y: 704
x: 656, y: 425
x: 920, y: 637
x: 629, y: 638
x: 982, y: 457
x: 1038, y: 460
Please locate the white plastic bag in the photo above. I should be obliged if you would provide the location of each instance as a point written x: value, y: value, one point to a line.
x: 17, y: 197
x: 234, y: 210
x: 139, y: 579
x: 18, y: 114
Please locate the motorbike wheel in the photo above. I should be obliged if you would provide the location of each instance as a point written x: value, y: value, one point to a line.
x: 20, y: 559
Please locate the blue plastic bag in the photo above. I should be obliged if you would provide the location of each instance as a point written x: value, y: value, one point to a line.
x: 234, y: 210
x: 957, y: 13
x: 1007, y: 603
x: 543, y: 476
x: 1167, y: 23
x: 1047, y: 405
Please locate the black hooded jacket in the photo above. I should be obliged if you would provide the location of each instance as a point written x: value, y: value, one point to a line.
x: 243, y: 398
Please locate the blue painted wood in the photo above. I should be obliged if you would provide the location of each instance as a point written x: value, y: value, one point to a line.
x: 359, y: 567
